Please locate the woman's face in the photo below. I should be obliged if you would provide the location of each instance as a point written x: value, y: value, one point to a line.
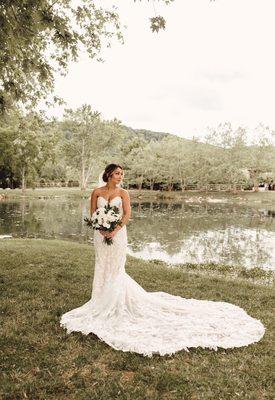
x: 117, y: 175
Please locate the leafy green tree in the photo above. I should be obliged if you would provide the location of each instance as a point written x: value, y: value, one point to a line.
x: 133, y: 160
x: 228, y: 159
x: 55, y: 168
x: 28, y: 144
x: 40, y: 37
x: 8, y: 127
x: 167, y: 164
x: 259, y: 156
x: 82, y: 130
x: 153, y: 161
x: 90, y: 142
x: 188, y: 162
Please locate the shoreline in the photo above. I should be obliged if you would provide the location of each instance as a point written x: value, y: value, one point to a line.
x: 255, y: 275
x: 243, y: 197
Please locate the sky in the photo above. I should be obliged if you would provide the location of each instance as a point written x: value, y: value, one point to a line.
x: 214, y: 62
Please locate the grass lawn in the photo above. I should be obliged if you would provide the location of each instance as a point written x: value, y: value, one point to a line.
x: 42, y: 279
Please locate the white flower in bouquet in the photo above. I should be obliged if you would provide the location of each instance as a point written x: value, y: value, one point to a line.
x: 105, y: 218
x: 106, y: 225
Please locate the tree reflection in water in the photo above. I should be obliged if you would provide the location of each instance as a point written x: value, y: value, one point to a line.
x: 173, y: 232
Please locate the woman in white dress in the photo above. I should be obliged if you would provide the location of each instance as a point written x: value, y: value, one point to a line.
x: 128, y: 318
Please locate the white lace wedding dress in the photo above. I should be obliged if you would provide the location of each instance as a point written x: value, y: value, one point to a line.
x: 126, y: 317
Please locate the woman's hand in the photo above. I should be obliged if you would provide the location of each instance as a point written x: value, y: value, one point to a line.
x: 103, y: 233
x: 111, y: 234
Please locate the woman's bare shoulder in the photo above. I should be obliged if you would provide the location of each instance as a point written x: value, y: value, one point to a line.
x: 96, y: 192
x: 124, y: 193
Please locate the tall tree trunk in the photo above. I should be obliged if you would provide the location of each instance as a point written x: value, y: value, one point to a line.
x: 139, y: 182
x: 254, y: 177
x: 170, y: 184
x: 234, y: 188
x: 83, y: 183
x: 182, y: 184
x: 255, y: 182
x: 23, y: 180
x: 83, y: 186
x: 85, y: 178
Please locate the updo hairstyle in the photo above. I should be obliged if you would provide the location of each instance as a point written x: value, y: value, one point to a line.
x: 109, y: 170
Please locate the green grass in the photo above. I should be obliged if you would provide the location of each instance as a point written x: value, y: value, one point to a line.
x: 42, y: 279
x: 227, y: 272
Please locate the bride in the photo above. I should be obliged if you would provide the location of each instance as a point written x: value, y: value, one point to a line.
x: 128, y: 318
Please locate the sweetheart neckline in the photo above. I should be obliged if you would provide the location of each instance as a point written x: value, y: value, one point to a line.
x: 110, y: 200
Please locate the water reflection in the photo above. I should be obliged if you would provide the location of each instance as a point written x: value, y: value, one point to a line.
x: 232, y: 246
x: 174, y: 232
x: 202, y: 233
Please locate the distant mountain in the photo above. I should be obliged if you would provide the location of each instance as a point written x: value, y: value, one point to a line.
x: 150, y: 135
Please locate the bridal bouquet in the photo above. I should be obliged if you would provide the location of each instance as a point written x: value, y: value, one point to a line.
x: 105, y: 218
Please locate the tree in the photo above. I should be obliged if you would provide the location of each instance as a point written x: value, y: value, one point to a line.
x: 153, y: 162
x: 89, y: 141
x: 230, y: 148
x: 166, y: 159
x: 260, y: 154
x: 176, y: 161
x: 55, y: 168
x: 28, y: 144
x: 133, y: 160
x: 8, y: 127
x: 40, y: 37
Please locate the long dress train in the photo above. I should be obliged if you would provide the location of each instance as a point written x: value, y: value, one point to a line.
x: 128, y: 318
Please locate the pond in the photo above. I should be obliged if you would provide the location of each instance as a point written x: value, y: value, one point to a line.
x: 175, y: 232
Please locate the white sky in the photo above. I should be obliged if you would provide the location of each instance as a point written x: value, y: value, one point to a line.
x: 215, y: 62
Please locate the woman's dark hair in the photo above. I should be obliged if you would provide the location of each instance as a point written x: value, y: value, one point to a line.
x: 109, y: 170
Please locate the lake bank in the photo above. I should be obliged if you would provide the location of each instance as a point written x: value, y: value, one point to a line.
x: 243, y: 197
x: 44, y: 278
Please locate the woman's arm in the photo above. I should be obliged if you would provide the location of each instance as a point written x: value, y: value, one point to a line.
x: 93, y: 204
x: 126, y: 209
